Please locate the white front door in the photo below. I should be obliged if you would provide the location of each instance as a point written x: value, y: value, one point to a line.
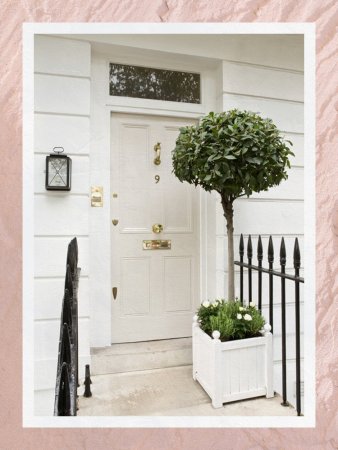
x: 157, y: 289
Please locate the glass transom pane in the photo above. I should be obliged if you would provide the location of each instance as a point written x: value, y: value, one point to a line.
x: 156, y: 84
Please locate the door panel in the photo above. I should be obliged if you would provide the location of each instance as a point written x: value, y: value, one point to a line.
x: 177, y: 283
x: 158, y: 290
x: 135, y: 292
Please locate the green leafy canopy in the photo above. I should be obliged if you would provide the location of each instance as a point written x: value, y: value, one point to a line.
x: 234, y: 153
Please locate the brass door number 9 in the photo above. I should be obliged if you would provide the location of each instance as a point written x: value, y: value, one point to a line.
x: 157, y: 178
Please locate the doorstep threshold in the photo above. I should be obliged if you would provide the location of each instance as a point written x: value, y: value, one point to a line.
x: 144, y: 347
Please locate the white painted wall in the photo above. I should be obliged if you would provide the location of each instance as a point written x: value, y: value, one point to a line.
x: 62, y: 118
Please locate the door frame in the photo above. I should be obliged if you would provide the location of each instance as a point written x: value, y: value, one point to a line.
x: 100, y: 282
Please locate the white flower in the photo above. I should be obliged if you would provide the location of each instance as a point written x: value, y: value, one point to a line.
x: 247, y: 317
x: 206, y: 304
x: 241, y: 308
x: 215, y: 303
x: 253, y: 304
x: 239, y: 316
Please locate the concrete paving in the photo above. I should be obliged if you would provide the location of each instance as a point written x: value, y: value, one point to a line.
x: 166, y: 392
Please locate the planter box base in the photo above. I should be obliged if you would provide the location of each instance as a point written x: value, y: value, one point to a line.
x: 235, y: 370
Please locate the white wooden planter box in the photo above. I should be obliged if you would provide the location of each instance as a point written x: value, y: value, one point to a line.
x: 234, y: 370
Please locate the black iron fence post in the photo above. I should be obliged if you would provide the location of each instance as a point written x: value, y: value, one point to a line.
x: 296, y: 263
x: 282, y: 255
x: 241, y: 255
x: 270, y: 260
x: 260, y: 261
x: 249, y: 252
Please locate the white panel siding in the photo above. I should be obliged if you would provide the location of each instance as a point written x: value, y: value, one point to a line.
x: 61, y: 213
x: 68, y: 57
x: 290, y: 346
x: 45, y: 374
x: 44, y: 402
x: 292, y: 188
x: 62, y: 95
x: 48, y: 295
x: 262, y: 81
x: 265, y: 217
x: 287, y: 115
x: 70, y: 132
x: 297, y: 148
x: 46, y: 337
x: 50, y: 257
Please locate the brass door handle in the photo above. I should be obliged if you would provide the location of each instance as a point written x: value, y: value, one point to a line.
x: 157, y: 228
x: 157, y: 149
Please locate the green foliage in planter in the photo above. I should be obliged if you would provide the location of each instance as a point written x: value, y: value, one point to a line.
x: 231, y: 319
x: 234, y: 153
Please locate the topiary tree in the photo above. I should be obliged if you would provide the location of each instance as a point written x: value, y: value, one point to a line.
x: 234, y: 153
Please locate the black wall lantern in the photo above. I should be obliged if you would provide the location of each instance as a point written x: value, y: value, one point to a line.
x: 58, y: 171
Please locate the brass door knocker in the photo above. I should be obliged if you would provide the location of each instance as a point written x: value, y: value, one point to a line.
x: 157, y: 149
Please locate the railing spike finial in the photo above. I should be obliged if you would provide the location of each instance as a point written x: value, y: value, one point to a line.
x: 249, y: 247
x: 282, y: 253
x: 241, y: 246
x: 270, y: 251
x: 76, y: 251
x: 259, y: 249
x: 296, y: 255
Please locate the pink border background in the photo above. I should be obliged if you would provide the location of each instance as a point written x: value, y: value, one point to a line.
x: 325, y: 14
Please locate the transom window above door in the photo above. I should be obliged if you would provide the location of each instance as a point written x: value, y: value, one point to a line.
x: 155, y: 84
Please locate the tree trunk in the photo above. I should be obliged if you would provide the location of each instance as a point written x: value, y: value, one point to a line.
x: 229, y: 216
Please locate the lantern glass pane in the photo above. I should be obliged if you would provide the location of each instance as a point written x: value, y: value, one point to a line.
x: 57, y: 172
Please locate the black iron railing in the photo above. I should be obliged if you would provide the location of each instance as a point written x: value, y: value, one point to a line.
x: 67, y: 374
x: 295, y: 278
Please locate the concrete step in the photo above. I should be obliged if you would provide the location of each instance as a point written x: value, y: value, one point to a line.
x: 134, y: 356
